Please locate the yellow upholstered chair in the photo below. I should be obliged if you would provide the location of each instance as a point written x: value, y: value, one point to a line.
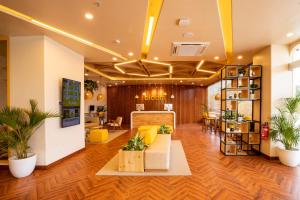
x: 98, y: 135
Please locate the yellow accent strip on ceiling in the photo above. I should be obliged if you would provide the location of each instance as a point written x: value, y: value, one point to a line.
x: 38, y: 23
x: 225, y: 13
x: 153, y: 12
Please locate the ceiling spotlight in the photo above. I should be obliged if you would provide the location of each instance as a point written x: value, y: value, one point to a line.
x: 114, y: 59
x: 155, y: 58
x: 201, y: 84
x: 123, y: 81
x: 193, y: 83
x: 109, y: 85
x: 240, y: 57
x: 89, y: 16
x: 180, y: 81
x: 86, y: 74
x: 216, y: 57
x: 290, y: 34
x: 116, y: 83
x: 130, y: 54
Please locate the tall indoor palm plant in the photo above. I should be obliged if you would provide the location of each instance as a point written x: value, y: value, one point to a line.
x: 284, y: 129
x: 17, y: 127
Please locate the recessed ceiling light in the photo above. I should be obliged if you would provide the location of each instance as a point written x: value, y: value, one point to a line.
x: 155, y: 58
x: 216, y: 57
x: 201, y: 84
x: 116, y: 83
x: 193, y: 83
x: 130, y: 54
x: 109, y: 85
x: 123, y: 81
x: 290, y: 34
x: 181, y: 81
x: 240, y: 57
x: 114, y: 59
x: 86, y: 74
x: 89, y: 16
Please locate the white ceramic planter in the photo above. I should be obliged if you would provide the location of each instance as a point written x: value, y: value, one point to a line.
x: 288, y: 157
x: 22, y: 167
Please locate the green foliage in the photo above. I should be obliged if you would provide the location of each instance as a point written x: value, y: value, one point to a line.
x: 164, y: 129
x: 283, y: 124
x: 90, y: 85
x: 18, y: 125
x: 135, y: 143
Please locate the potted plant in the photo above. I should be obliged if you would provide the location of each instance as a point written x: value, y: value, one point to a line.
x: 131, y: 156
x: 90, y: 86
x: 164, y: 129
x: 285, y: 131
x: 18, y: 125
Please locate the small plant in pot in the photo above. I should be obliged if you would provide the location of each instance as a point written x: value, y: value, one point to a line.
x: 285, y: 131
x: 164, y: 129
x: 18, y: 125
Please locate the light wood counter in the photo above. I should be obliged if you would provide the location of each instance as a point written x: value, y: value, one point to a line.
x: 140, y: 118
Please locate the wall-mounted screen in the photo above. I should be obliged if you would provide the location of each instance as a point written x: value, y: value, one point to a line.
x: 70, y: 102
x: 140, y: 106
x: 168, y: 106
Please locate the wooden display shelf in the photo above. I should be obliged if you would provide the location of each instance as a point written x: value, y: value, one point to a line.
x: 241, y: 96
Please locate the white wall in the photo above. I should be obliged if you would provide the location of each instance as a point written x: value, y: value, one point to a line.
x: 37, y: 65
x: 277, y: 84
x: 60, y: 62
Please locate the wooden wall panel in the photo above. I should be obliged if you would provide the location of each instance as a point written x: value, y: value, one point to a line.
x: 186, y: 104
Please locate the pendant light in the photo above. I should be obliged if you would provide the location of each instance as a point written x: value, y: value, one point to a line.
x: 172, y: 95
x: 136, y: 95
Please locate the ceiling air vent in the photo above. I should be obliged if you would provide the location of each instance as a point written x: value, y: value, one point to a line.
x: 189, y: 48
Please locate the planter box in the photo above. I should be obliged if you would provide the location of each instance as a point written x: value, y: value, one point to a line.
x: 131, y: 161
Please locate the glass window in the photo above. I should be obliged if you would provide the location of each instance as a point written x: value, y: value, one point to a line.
x: 296, y: 53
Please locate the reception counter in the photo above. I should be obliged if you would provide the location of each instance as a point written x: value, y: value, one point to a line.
x: 140, y: 118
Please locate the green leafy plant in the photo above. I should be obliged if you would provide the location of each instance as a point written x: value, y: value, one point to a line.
x: 135, y: 143
x: 164, y: 129
x: 283, y: 124
x: 18, y: 125
x: 90, y: 85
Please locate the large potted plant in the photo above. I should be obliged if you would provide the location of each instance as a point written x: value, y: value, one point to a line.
x: 285, y: 130
x: 18, y: 125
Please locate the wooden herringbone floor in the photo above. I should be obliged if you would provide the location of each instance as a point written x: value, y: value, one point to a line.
x: 214, y: 176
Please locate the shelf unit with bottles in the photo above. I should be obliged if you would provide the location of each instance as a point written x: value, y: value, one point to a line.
x: 240, y: 109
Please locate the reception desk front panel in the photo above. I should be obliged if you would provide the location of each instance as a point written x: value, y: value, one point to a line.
x: 140, y: 118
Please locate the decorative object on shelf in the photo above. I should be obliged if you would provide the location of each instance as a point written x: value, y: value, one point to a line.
x: 163, y: 129
x: 253, y: 86
x: 239, y: 136
x: 136, y: 96
x: 19, y: 125
x: 240, y: 117
x: 284, y: 129
x: 241, y: 72
x: 131, y: 156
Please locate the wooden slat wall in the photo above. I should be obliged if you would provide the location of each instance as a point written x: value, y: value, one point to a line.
x: 186, y: 104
